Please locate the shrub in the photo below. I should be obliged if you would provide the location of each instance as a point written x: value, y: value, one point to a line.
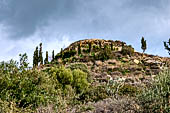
x: 94, y: 94
x: 61, y: 75
x: 64, y: 76
x: 80, y: 82
x: 82, y: 67
x: 127, y: 89
x: 104, y: 54
x: 127, y: 50
x: 26, y: 89
x: 157, y: 97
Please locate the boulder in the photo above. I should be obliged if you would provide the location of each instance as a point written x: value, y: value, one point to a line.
x: 98, y: 63
x: 136, y: 61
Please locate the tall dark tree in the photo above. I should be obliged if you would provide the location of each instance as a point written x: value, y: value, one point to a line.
x: 53, y: 55
x: 79, y: 48
x: 61, y: 53
x: 35, y: 57
x: 100, y: 44
x: 167, y: 46
x: 143, y: 44
x: 90, y: 45
x: 111, y: 45
x: 46, y: 59
x: 40, y: 54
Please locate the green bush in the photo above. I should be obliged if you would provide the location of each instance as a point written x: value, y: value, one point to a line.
x: 25, y: 88
x: 64, y: 76
x: 127, y: 50
x: 80, y: 82
x: 94, y: 94
x: 104, y: 54
x: 127, y: 89
x: 157, y: 97
x: 82, y: 67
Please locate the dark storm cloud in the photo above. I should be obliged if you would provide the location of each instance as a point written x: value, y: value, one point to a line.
x: 23, y: 17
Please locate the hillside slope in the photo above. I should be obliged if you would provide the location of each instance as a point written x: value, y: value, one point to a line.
x: 114, y: 58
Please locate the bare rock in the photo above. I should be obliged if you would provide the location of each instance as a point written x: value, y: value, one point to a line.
x: 98, y: 63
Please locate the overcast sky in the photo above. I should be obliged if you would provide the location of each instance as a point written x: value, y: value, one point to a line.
x: 57, y: 23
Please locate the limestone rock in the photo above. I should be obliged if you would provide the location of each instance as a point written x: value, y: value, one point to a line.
x: 136, y: 61
x: 98, y: 63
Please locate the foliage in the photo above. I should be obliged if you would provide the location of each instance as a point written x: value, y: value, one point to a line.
x: 127, y: 50
x: 82, y: 67
x: 157, y: 97
x: 35, y: 57
x: 40, y: 55
x: 76, y: 78
x: 79, y: 48
x: 68, y: 54
x: 80, y: 82
x: 128, y: 89
x: 46, y: 58
x: 53, y: 55
x: 166, y: 45
x: 143, y: 44
x: 26, y: 89
x: 90, y: 46
x: 23, y: 61
x: 94, y: 94
x: 104, y: 54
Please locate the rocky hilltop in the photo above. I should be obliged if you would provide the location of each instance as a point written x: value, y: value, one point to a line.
x: 113, y: 58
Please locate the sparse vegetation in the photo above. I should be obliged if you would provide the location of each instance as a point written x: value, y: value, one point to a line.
x: 84, y: 78
x: 127, y: 50
x: 157, y: 97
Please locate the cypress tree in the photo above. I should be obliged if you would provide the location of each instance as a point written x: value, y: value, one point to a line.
x: 111, y: 46
x: 79, y: 49
x: 53, y: 55
x: 90, y: 44
x: 46, y: 59
x: 143, y: 44
x: 35, y: 57
x: 100, y: 44
x: 40, y: 54
x: 61, y: 53
x: 166, y: 45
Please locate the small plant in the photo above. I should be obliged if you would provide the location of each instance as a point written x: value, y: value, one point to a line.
x: 127, y: 50
x: 157, y: 97
x: 127, y: 89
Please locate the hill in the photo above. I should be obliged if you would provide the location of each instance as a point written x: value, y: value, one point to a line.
x: 113, y: 58
x: 89, y: 76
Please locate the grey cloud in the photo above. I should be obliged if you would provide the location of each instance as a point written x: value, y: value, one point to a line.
x: 24, y: 17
